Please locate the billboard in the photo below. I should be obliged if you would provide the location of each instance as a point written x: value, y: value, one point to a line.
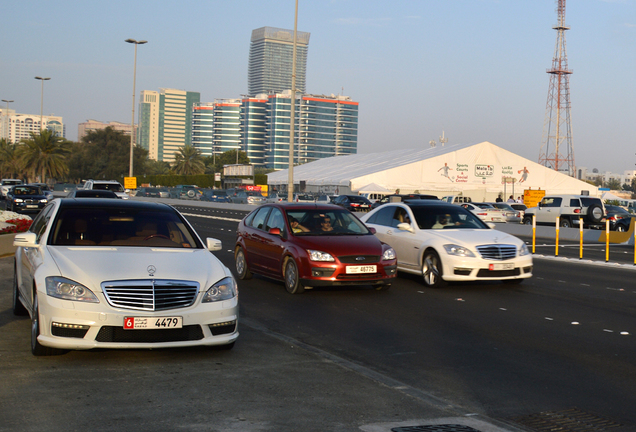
x: 238, y: 170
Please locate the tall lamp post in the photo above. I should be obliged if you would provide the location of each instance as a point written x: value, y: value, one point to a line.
x: 6, y: 128
x: 132, y: 122
x: 292, y: 120
x: 42, y: 100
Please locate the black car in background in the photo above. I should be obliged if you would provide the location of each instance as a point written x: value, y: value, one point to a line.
x: 353, y: 202
x: 26, y: 199
x: 619, y: 218
x: 151, y: 192
x: 402, y: 198
x: 216, y: 195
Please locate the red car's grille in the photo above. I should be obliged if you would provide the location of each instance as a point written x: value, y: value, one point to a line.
x: 359, y: 259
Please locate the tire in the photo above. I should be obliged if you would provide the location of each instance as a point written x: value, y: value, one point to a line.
x: 527, y: 220
x: 18, y: 307
x: 36, y: 348
x: 432, y: 270
x: 190, y: 193
x: 242, y: 268
x: 292, y: 280
x: 565, y: 223
x: 594, y: 214
x: 621, y: 228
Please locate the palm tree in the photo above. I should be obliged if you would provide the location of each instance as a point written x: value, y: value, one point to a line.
x: 44, y: 154
x: 10, y: 166
x: 188, y: 161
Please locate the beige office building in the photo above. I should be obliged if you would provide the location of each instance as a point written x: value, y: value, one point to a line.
x: 93, y: 125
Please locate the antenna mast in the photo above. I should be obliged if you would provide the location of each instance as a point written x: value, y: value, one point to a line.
x: 556, y: 149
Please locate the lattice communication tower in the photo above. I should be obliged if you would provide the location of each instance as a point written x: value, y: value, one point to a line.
x: 556, y: 149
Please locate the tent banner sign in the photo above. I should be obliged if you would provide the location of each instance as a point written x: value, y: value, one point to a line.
x: 484, y: 170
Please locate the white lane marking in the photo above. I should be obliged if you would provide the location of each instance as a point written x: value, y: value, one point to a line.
x: 212, y: 217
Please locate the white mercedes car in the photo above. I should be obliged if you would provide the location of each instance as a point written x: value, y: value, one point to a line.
x: 104, y: 273
x: 444, y: 242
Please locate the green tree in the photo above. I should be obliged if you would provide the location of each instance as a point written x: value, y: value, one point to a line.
x: 44, y: 155
x: 614, y: 184
x: 10, y: 165
x: 215, y: 164
x: 188, y: 161
x: 154, y: 167
x: 105, y: 154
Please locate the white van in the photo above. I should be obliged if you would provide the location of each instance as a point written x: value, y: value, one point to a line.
x: 373, y: 197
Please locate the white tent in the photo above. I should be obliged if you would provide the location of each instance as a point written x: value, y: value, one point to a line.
x: 481, y: 171
x: 374, y: 188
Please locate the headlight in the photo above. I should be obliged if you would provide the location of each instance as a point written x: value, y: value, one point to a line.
x: 43, y: 200
x: 18, y: 200
x: 67, y: 289
x: 523, y: 250
x: 388, y: 255
x: 224, y: 289
x: 315, y: 255
x: 453, y: 249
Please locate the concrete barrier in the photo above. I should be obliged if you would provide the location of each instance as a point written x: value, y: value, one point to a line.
x: 6, y: 245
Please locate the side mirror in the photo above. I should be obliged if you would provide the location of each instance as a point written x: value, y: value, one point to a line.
x: 274, y: 231
x: 26, y: 239
x: 213, y: 244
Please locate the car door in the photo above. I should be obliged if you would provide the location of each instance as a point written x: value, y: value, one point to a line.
x: 548, y: 210
x: 273, y: 245
x: 405, y: 244
x: 254, y: 239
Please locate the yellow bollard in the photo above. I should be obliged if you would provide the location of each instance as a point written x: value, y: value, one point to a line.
x: 534, y: 235
x: 580, y: 237
x: 607, y: 240
x: 556, y: 248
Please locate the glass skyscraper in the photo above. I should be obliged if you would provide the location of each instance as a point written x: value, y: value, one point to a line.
x: 271, y: 60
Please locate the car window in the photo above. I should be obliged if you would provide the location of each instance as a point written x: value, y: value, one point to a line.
x: 39, y: 224
x: 327, y: 223
x: 384, y: 216
x: 400, y: 216
x: 574, y: 202
x: 276, y: 220
x: 443, y: 217
x: 590, y: 201
x: 258, y: 221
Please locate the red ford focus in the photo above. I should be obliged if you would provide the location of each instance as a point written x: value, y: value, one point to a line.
x: 312, y: 245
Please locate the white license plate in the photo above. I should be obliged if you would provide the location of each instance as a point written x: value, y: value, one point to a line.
x: 501, y: 266
x: 362, y: 269
x: 35, y: 206
x: 145, y: 323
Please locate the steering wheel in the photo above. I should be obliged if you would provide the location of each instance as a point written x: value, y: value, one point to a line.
x: 156, y: 235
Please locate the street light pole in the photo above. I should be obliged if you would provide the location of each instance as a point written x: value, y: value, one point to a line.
x: 132, y: 122
x: 292, y: 120
x: 42, y: 100
x: 7, y: 116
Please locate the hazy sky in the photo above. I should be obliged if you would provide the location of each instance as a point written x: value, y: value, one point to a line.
x: 475, y: 69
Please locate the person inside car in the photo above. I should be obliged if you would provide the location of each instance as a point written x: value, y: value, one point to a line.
x: 443, y: 221
x: 325, y: 224
x: 296, y: 226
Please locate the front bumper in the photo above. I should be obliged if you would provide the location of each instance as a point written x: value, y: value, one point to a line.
x: 473, y: 269
x: 78, y: 325
x: 319, y: 275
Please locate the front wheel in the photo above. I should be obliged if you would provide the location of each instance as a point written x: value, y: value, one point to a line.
x: 527, y: 220
x: 432, y: 270
x: 36, y: 348
x: 621, y: 228
x: 565, y: 223
x: 292, y: 279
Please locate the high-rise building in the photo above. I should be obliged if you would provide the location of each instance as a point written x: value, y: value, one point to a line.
x: 271, y: 59
x: 16, y: 127
x: 227, y: 125
x: 165, y: 122
x: 203, y: 127
x: 93, y: 125
x: 325, y: 126
x: 254, y: 128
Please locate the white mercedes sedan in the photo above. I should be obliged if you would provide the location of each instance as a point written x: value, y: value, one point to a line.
x: 104, y: 273
x: 444, y: 242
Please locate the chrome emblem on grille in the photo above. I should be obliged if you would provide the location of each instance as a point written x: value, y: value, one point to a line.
x: 151, y: 270
x: 360, y: 258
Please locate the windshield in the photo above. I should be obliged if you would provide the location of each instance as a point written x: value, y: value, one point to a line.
x: 11, y: 182
x: 120, y: 227
x: 27, y: 190
x: 114, y: 187
x: 446, y: 217
x: 325, y: 222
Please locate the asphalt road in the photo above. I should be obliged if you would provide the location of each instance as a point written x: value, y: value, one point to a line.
x: 561, y: 340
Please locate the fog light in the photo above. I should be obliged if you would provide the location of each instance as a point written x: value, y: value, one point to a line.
x: 70, y: 326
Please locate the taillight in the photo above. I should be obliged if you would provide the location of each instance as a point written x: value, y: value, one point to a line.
x: 577, y: 210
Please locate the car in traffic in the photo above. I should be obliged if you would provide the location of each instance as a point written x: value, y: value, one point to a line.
x: 149, y: 192
x: 215, y: 195
x: 304, y: 198
x: 444, y: 242
x: 46, y: 189
x: 93, y: 193
x: 188, y: 192
x: 570, y: 209
x: 521, y: 208
x: 311, y: 245
x: 111, y: 185
x: 486, y: 212
x: 354, y: 203
x: 401, y: 198
x: 614, y: 214
x: 6, y: 184
x: 99, y: 273
x: 274, y: 197
x: 26, y: 199
x: 512, y: 215
x: 255, y: 197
